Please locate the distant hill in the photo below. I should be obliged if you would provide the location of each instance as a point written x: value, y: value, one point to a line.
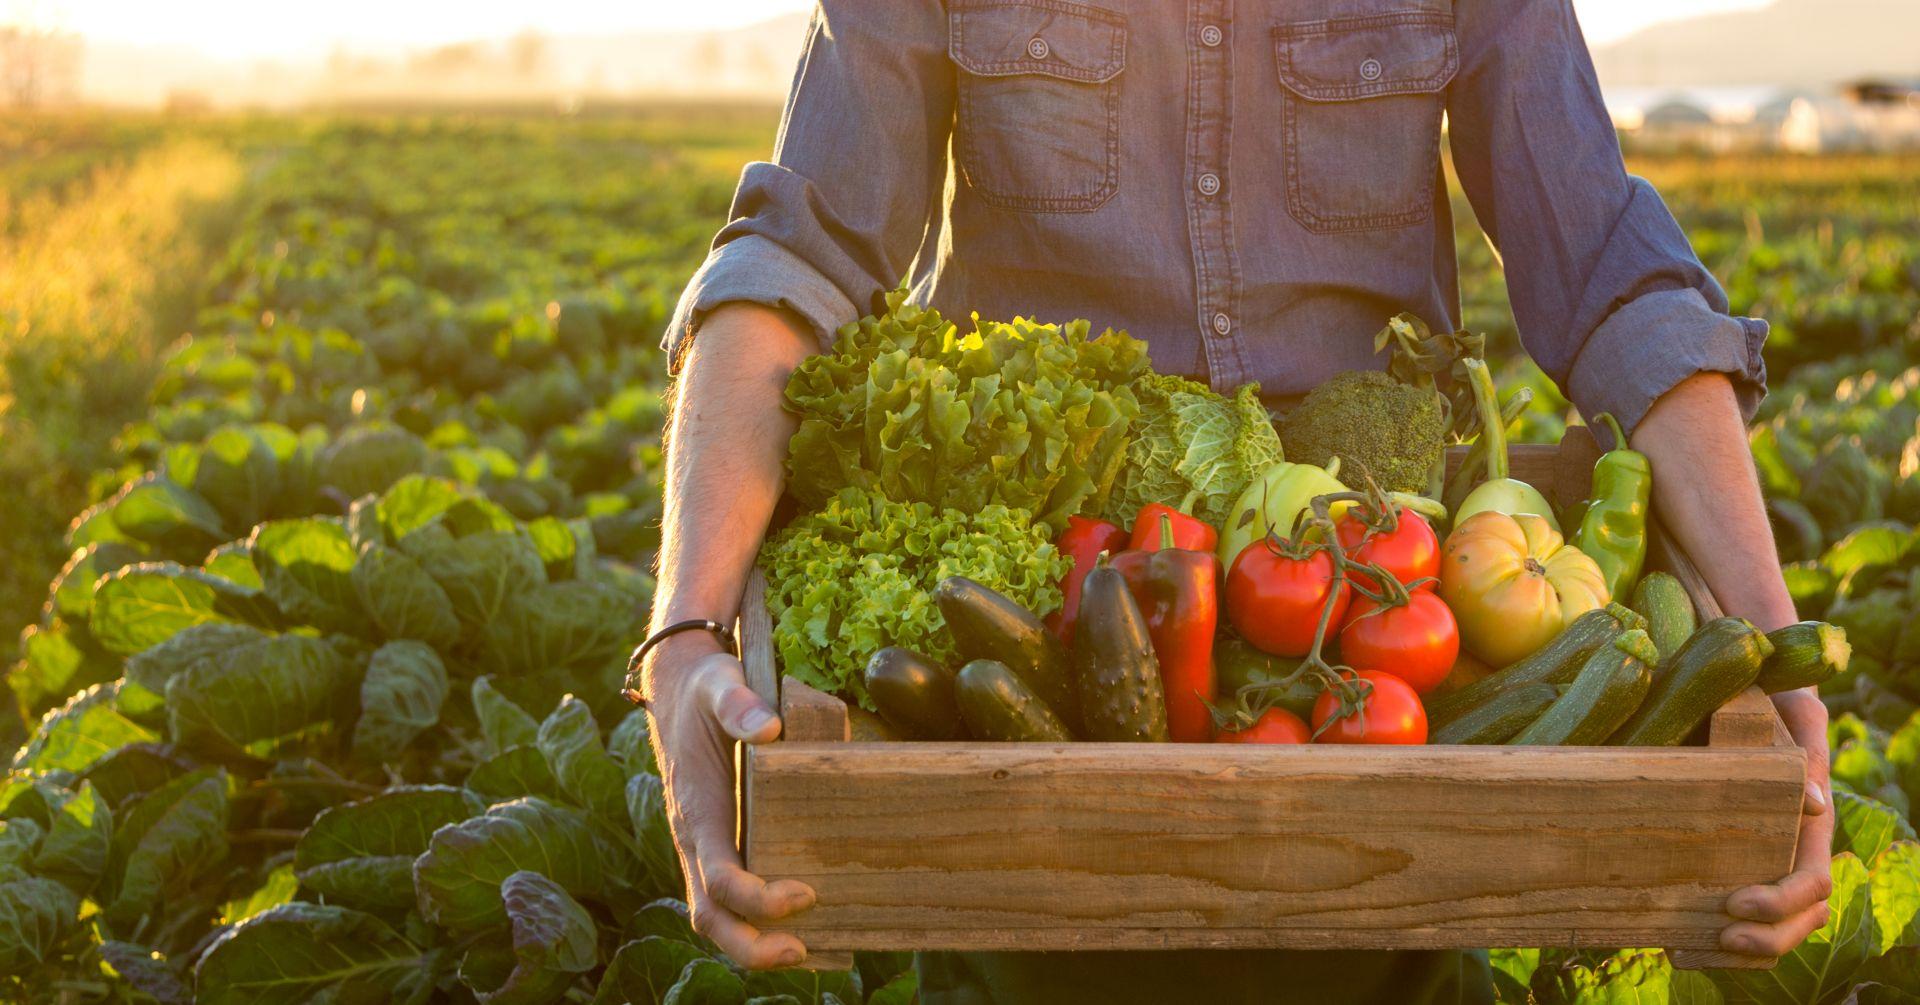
x: 1792, y: 43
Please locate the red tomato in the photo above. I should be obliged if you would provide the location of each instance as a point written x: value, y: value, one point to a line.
x: 1275, y: 725
x: 1274, y: 601
x: 1410, y: 552
x: 1417, y: 642
x: 1393, y: 714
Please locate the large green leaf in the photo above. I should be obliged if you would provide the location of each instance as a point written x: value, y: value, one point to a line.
x: 75, y: 735
x: 706, y: 982
x: 306, y: 567
x: 362, y: 853
x: 164, y: 841
x: 512, y: 773
x: 279, y: 887
x: 36, y: 913
x: 559, y: 549
x: 481, y: 573
x: 156, y: 511
x: 403, y: 601
x: 239, y: 474
x: 144, y: 605
x: 458, y: 880
x: 644, y: 970
x: 76, y: 847
x: 806, y: 985
x: 1821, y: 970
x: 146, y: 971
x: 134, y: 770
x: 556, y: 626
x: 370, y: 458
x: 413, y: 502
x: 73, y: 587
x: 20, y: 838
x: 400, y: 698
x: 153, y: 667
x: 630, y: 743
x: 1866, y: 826
x: 554, y: 941
x: 55, y: 665
x: 1903, y: 753
x: 571, y: 742
x: 246, y: 699
x: 1894, y: 883
x: 503, y: 723
x: 299, y: 952
x: 647, y: 811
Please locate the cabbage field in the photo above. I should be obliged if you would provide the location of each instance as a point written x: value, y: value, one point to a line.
x: 320, y: 701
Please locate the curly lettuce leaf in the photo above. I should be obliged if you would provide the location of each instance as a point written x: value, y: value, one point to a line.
x: 1020, y: 414
x: 857, y: 576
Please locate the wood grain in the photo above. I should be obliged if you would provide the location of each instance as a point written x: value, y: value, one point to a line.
x: 810, y: 715
x: 1147, y: 845
x: 754, y: 632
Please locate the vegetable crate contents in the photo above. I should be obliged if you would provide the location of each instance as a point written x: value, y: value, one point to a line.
x: 1085, y: 838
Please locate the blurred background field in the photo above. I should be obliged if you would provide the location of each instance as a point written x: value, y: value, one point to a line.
x: 307, y: 357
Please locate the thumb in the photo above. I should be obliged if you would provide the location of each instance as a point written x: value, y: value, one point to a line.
x: 734, y: 706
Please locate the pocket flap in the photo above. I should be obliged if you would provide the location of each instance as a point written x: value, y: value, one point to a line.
x: 1341, y: 59
x: 1054, y: 38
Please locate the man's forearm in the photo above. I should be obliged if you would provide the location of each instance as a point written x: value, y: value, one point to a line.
x: 1708, y: 496
x: 726, y: 443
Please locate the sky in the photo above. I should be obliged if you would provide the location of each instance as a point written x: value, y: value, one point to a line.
x: 227, y: 29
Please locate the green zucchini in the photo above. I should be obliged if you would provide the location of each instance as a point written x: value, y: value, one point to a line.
x: 1721, y: 660
x: 1499, y: 717
x: 988, y: 626
x: 1118, y: 678
x: 1807, y: 654
x: 998, y: 705
x: 1557, y: 662
x: 1607, y: 690
x: 1669, y: 611
x: 914, y: 694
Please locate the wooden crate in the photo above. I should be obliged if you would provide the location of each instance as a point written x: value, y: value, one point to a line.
x: 986, y: 846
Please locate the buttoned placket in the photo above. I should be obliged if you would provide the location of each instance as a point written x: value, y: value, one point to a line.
x: 1216, y: 267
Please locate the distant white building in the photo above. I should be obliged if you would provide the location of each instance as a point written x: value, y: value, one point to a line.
x: 1867, y: 115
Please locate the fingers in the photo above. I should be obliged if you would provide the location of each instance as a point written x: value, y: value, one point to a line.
x: 745, y: 944
x: 1752, y: 938
x: 751, y: 897
x: 1778, y: 902
x: 1806, y: 720
x: 723, y: 692
x: 727, y: 900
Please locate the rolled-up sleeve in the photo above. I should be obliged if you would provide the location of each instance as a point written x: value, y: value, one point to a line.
x: 1609, y: 297
x: 842, y: 208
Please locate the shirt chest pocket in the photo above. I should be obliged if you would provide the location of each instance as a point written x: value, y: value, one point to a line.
x: 1362, y: 98
x: 1037, y: 120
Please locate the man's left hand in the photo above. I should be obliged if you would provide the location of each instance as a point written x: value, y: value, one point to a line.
x: 1775, y: 918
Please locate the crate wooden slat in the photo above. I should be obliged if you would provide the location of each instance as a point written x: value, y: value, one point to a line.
x: 980, y: 846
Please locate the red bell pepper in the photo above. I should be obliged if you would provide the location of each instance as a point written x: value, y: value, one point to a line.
x: 1084, y: 540
x: 1189, y: 532
x: 1174, y: 587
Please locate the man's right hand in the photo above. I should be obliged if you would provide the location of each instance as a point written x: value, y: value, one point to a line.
x: 701, y: 704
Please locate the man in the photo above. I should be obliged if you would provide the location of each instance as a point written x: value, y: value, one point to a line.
x: 1252, y: 188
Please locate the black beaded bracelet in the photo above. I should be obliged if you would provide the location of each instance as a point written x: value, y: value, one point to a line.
x: 719, y: 630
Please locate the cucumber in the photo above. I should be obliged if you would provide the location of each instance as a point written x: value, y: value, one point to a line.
x: 866, y: 727
x: 998, y: 705
x: 1114, y: 668
x: 988, y: 626
x: 1669, y: 611
x: 1721, y: 660
x: 1557, y: 662
x: 914, y: 694
x: 1607, y: 690
x: 1807, y: 654
x: 1499, y: 717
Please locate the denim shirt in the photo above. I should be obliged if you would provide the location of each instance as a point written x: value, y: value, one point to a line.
x: 1252, y: 187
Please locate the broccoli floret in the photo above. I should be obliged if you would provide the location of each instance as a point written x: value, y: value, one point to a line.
x: 1375, y: 424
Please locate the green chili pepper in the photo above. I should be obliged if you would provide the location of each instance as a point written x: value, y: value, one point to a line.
x: 1613, y: 527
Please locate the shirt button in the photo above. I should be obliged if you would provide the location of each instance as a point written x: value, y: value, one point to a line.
x: 1209, y: 183
x: 1210, y: 36
x: 1369, y: 69
x: 1037, y: 47
x: 1222, y: 324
